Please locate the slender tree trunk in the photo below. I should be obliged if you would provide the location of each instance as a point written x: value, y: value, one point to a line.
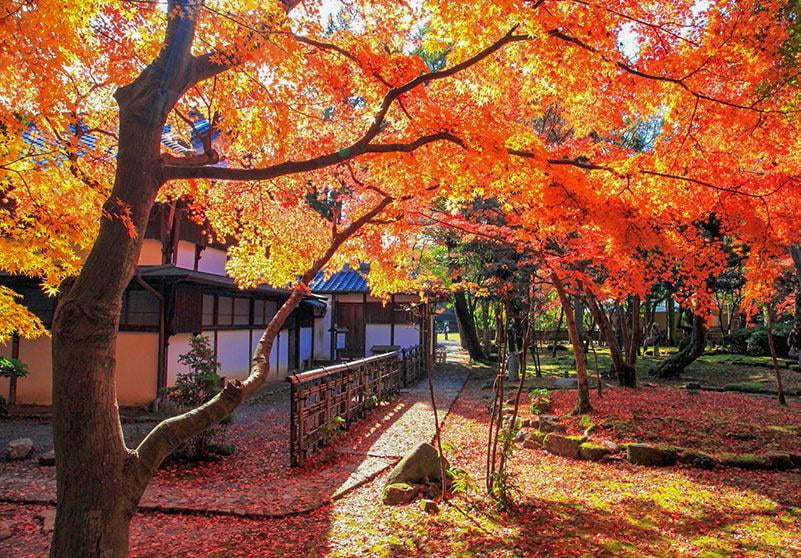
x: 675, y: 364
x: 578, y: 311
x: 772, y: 346
x: 535, y: 351
x: 467, y: 327
x: 671, y: 319
x: 795, y: 252
x: 583, y: 404
x: 556, y: 331
x: 485, y: 324
x: 626, y: 375
x: 634, y: 334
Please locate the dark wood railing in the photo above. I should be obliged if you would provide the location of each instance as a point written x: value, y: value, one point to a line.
x: 329, y: 399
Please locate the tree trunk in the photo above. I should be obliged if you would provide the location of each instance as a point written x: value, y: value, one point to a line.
x: 671, y: 320
x: 583, y: 404
x: 675, y: 364
x: 578, y: 311
x: 795, y: 252
x: 95, y: 491
x: 467, y: 327
x: 634, y: 333
x: 626, y: 375
x: 774, y: 358
x: 98, y: 480
x: 485, y: 321
x: 556, y: 331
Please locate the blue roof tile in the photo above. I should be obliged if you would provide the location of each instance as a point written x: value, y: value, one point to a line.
x: 345, y: 281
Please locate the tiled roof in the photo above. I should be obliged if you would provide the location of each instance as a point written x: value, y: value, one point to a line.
x: 174, y: 273
x: 345, y: 281
x: 171, y: 138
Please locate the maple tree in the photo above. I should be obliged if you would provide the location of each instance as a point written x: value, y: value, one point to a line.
x: 394, y: 106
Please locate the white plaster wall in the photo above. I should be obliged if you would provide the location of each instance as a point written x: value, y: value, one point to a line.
x: 185, y: 255
x: 283, y: 353
x: 305, y: 345
x: 376, y: 334
x: 274, y: 355
x: 136, y: 354
x: 212, y: 260
x: 36, y: 388
x: 151, y: 252
x: 178, y: 345
x: 137, y: 357
x: 407, y: 335
x: 322, y: 340
x: 233, y: 353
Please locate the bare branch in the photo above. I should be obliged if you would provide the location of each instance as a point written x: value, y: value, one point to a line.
x: 556, y: 33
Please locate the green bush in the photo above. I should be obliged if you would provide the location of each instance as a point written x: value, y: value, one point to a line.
x: 757, y: 344
x: 193, y: 388
x: 737, y: 341
x: 754, y: 340
x: 12, y: 368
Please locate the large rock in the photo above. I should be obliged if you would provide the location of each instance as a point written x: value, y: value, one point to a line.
x: 697, y: 459
x: 5, y: 530
x: 744, y: 461
x: 592, y: 452
x: 780, y: 461
x: 534, y: 439
x: 566, y: 446
x: 429, y: 506
x: 419, y: 466
x: 398, y: 493
x: 565, y: 383
x: 19, y: 448
x: 549, y: 423
x: 650, y: 456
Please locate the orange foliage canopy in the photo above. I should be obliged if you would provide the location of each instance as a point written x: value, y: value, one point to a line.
x: 428, y: 104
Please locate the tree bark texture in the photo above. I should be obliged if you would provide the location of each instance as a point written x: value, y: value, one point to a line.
x: 626, y: 375
x: 583, y: 404
x: 467, y: 327
x: 675, y: 364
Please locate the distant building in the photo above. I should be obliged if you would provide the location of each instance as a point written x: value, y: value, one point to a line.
x: 181, y: 289
x: 363, y: 323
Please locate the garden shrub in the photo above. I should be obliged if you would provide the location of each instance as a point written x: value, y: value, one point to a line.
x: 12, y: 368
x: 754, y: 340
x: 193, y: 388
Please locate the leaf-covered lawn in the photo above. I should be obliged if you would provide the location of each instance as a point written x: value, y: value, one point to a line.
x: 566, y: 507
x: 708, y: 421
x: 708, y: 370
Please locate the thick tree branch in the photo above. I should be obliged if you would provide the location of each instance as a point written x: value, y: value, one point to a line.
x: 363, y: 144
x: 171, y: 171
